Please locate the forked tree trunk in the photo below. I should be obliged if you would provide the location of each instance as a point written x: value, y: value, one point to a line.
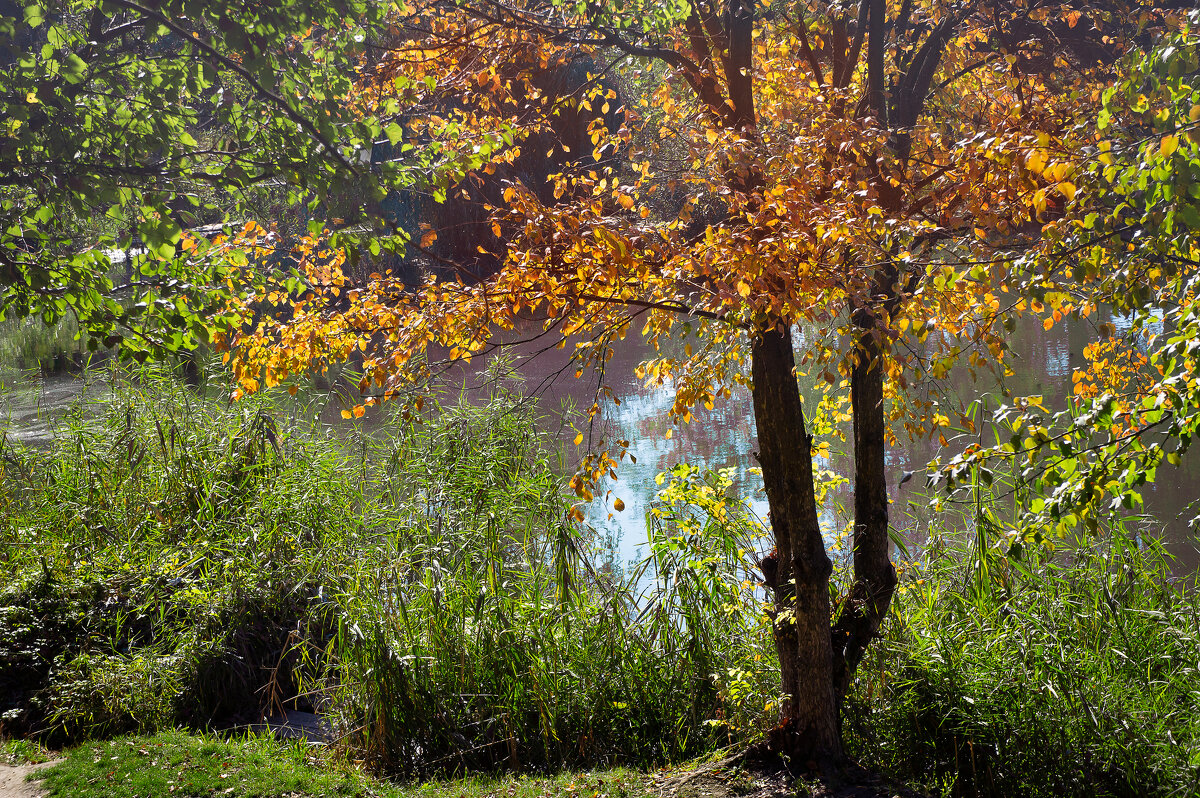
x: 866, y: 605
x: 809, y: 732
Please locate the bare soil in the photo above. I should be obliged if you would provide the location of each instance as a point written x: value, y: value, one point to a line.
x: 13, y: 782
x: 727, y: 779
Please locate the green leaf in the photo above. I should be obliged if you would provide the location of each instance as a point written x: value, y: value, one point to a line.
x: 73, y: 68
x: 394, y: 132
x: 34, y: 15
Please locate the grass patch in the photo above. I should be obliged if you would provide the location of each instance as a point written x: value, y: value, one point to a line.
x: 23, y: 752
x: 180, y: 764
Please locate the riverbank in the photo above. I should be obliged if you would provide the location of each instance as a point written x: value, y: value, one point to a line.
x: 173, y: 562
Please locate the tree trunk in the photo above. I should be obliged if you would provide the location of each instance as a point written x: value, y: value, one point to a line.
x: 809, y: 731
x: 866, y: 605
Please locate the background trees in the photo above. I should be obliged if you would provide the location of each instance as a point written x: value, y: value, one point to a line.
x: 126, y: 122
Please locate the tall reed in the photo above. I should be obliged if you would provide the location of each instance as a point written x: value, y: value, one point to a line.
x: 422, y: 586
x: 1055, y: 674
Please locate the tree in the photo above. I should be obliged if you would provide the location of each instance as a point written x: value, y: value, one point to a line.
x: 1129, y: 241
x: 126, y: 122
x: 868, y: 171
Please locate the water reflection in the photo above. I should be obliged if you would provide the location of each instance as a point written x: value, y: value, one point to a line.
x: 723, y: 437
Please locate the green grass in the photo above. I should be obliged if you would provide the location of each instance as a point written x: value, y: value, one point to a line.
x: 23, y: 752
x: 187, y: 765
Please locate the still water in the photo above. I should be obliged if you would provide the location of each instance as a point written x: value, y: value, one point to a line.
x: 723, y: 437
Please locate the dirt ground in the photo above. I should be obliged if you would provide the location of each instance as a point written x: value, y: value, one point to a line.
x: 721, y: 780
x: 14, y: 785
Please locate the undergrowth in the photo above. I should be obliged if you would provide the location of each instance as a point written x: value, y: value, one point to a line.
x: 176, y: 560
x: 173, y: 559
x: 1066, y: 674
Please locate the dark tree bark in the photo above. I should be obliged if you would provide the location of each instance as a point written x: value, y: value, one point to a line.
x: 866, y: 605
x: 809, y: 732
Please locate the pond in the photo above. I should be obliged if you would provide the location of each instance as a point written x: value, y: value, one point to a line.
x: 723, y: 437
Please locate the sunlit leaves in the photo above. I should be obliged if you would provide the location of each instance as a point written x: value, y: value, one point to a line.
x: 122, y: 127
x: 816, y: 210
x: 1130, y: 243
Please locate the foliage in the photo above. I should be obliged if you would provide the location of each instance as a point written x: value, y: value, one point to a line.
x: 1130, y: 241
x: 1071, y: 674
x: 612, y: 238
x: 127, y: 123
x: 177, y: 560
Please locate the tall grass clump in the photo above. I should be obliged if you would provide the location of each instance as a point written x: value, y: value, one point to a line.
x: 175, y: 559
x: 479, y: 634
x: 1066, y: 674
x: 154, y: 554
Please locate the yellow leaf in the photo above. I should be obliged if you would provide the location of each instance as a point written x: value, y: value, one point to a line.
x: 1194, y: 114
x: 1168, y: 145
x: 509, y: 193
x: 618, y: 505
x: 711, y: 135
x: 669, y: 434
x: 626, y: 201
x: 496, y: 229
x: 359, y: 411
x: 579, y: 439
x: 345, y: 414
x: 429, y: 237
x: 1067, y: 188
x: 1035, y: 161
x: 1047, y: 324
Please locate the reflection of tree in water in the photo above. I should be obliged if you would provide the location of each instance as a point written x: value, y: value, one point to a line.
x: 1041, y: 360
